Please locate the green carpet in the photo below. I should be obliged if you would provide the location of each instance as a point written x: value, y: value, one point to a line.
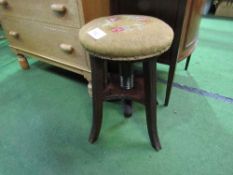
x: 45, y: 118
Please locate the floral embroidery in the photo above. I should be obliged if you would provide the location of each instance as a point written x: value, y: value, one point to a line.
x: 118, y: 29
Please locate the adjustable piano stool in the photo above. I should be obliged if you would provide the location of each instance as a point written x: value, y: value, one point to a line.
x: 124, y: 40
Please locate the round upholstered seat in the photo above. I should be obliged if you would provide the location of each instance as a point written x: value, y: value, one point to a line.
x: 126, y: 37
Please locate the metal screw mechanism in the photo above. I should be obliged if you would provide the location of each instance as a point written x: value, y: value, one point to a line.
x: 126, y: 76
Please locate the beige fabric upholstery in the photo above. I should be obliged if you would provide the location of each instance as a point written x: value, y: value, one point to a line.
x: 225, y: 8
x: 126, y: 37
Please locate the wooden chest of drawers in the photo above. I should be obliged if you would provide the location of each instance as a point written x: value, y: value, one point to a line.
x: 48, y: 30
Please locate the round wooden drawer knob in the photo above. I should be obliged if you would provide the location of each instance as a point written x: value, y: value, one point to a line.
x: 14, y: 34
x: 3, y: 2
x: 67, y: 48
x: 59, y: 8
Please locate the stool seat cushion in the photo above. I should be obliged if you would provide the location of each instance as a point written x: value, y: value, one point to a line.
x: 126, y: 37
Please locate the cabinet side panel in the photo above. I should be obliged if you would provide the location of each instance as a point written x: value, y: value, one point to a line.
x: 190, y: 28
x: 95, y: 8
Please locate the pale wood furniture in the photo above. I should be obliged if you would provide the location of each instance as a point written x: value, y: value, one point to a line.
x: 48, y: 30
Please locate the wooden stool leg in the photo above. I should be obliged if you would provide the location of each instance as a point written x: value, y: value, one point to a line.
x: 127, y: 83
x: 149, y: 70
x: 171, y: 74
x: 187, y: 62
x: 97, y: 68
x: 127, y: 107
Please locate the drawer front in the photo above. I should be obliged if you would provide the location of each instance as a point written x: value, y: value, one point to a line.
x: 56, y: 43
x: 62, y: 12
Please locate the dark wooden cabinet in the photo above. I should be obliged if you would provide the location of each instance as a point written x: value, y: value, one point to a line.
x: 189, y: 36
x: 182, y: 15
